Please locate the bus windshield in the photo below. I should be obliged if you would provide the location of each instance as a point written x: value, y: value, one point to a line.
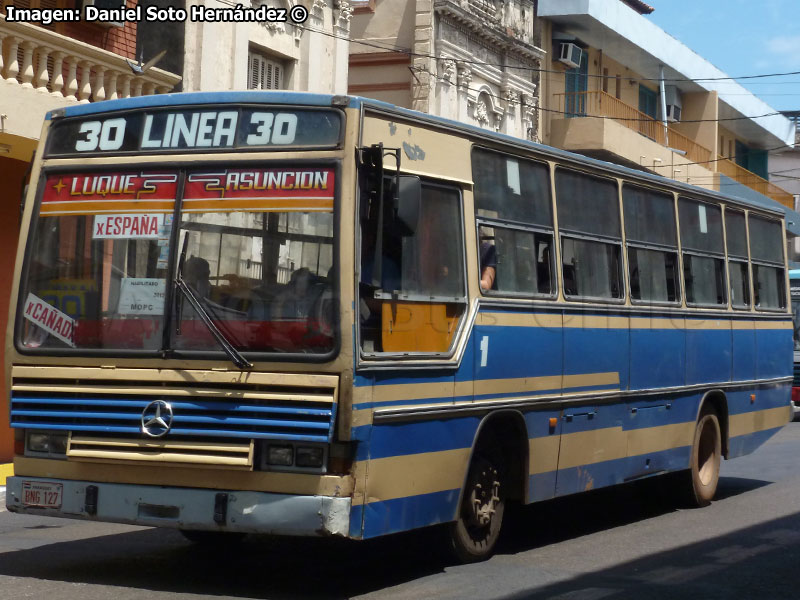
x: 259, y: 257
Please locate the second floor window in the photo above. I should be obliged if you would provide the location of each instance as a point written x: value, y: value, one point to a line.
x: 264, y: 73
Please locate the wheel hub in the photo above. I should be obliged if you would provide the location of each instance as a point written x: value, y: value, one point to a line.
x: 484, y: 496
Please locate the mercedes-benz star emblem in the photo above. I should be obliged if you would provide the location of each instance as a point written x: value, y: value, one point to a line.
x: 157, y: 418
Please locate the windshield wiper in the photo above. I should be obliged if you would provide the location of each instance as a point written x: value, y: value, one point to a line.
x: 236, y: 357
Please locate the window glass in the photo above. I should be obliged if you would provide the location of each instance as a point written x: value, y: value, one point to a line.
x: 587, y: 204
x: 649, y: 216
x: 740, y: 284
x: 591, y: 269
x: 766, y: 240
x: 97, y: 279
x: 769, y: 287
x: 511, y: 188
x: 416, y: 301
x: 265, y: 279
x: 701, y: 226
x: 736, y: 234
x: 523, y: 259
x: 704, y: 277
x: 654, y: 275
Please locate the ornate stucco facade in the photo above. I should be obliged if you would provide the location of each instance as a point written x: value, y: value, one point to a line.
x: 474, y: 61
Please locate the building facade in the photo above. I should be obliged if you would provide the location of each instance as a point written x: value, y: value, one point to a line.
x: 310, y: 56
x: 617, y: 87
x: 474, y: 61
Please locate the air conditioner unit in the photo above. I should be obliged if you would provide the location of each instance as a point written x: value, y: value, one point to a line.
x: 571, y: 55
x: 105, y: 5
x: 673, y: 113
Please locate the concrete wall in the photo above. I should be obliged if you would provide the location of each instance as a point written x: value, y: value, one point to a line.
x: 703, y: 107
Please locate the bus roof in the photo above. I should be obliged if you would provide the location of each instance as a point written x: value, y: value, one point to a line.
x: 311, y: 99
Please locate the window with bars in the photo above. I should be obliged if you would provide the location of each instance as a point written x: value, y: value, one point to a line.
x: 264, y: 73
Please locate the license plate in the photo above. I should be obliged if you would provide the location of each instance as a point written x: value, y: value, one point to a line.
x: 41, y: 494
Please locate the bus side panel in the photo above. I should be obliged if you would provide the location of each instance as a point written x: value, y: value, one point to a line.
x: 543, y: 448
x: 755, y: 415
x: 592, y: 439
x: 702, y: 365
x: 743, y: 338
x: 596, y: 348
x: 774, y: 349
x: 658, y: 357
x: 517, y: 355
x: 414, y: 474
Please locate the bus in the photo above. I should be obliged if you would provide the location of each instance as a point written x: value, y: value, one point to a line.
x: 794, y: 292
x: 316, y: 315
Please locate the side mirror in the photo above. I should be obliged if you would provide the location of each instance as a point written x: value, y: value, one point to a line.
x: 408, y: 202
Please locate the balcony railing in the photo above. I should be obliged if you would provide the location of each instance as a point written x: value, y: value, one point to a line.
x: 753, y: 181
x: 49, y: 62
x: 602, y: 104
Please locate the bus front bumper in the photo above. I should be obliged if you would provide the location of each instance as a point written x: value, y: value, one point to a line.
x: 182, y: 508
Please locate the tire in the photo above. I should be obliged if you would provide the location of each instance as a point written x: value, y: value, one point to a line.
x: 473, y: 536
x: 705, y: 459
x: 209, y: 538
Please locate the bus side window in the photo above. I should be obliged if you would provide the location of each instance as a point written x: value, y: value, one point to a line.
x: 515, y: 224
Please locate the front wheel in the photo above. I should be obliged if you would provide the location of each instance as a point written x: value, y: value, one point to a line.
x: 474, y: 534
x: 706, y: 458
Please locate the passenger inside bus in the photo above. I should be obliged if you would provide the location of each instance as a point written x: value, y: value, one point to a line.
x: 488, y: 264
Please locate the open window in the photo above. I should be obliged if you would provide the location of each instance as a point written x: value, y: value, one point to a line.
x: 514, y: 216
x: 412, y: 291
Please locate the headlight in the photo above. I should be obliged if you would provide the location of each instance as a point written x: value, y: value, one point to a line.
x: 309, y: 456
x: 46, y: 442
x: 39, y: 442
x: 280, y: 456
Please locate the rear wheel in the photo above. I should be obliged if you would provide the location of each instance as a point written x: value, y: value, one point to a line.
x: 474, y: 534
x: 706, y: 458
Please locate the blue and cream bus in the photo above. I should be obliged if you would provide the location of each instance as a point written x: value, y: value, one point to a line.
x: 263, y: 312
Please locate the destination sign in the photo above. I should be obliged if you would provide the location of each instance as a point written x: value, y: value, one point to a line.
x: 110, y: 192
x: 196, y: 129
x: 263, y: 190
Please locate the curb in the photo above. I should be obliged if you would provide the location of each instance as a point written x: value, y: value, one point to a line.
x: 6, y: 470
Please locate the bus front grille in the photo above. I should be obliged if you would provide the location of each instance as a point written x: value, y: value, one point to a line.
x: 266, y: 406
x: 179, y: 453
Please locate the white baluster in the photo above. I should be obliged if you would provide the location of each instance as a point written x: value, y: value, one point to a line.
x: 26, y: 72
x: 112, y: 86
x: 99, y: 89
x: 125, y: 86
x: 148, y: 89
x: 85, y: 88
x: 72, y: 78
x: 136, y: 88
x: 12, y: 68
x: 57, y: 80
x: 42, y: 77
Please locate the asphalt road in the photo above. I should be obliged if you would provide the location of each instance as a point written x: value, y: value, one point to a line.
x: 629, y: 542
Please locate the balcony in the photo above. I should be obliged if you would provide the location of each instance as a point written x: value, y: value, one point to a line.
x: 41, y: 70
x: 601, y: 104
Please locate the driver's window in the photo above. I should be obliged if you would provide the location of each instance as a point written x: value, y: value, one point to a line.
x: 412, y: 289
